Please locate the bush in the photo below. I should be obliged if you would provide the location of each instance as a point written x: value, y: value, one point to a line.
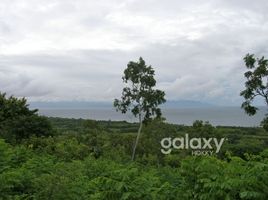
x: 18, y: 122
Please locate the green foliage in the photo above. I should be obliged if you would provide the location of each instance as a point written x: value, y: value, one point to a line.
x: 256, y: 84
x: 139, y: 95
x: 89, y: 159
x: 246, y: 145
x: 264, y: 123
x: 17, y: 121
x: 210, y: 178
x: 44, y: 176
x: 5, y: 155
x: 154, y: 132
x: 91, y: 124
x: 202, y: 129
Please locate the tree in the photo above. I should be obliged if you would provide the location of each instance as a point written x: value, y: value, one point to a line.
x: 139, y: 95
x: 17, y: 121
x: 256, y: 84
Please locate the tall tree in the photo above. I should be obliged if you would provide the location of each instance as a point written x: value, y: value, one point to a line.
x: 18, y: 122
x: 139, y: 95
x: 256, y: 84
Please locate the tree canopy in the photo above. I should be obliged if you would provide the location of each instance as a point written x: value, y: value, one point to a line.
x: 17, y: 121
x: 139, y: 96
x: 256, y: 85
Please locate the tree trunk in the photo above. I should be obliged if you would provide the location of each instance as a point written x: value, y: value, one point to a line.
x: 137, y: 139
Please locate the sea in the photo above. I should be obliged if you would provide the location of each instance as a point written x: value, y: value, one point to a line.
x: 217, y: 116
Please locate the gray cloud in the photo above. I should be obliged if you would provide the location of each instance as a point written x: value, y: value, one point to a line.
x: 77, y: 50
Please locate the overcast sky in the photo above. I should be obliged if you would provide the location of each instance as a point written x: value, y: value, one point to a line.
x: 67, y: 50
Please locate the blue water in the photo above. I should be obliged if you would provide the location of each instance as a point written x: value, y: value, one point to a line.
x: 226, y: 116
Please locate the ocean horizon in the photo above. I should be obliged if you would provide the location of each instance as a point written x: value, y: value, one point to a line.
x: 217, y: 116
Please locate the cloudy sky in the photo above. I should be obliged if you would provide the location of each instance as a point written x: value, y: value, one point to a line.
x: 69, y: 50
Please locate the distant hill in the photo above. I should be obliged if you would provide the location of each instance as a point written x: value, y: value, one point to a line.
x: 186, y: 104
x: 99, y: 105
x: 70, y: 105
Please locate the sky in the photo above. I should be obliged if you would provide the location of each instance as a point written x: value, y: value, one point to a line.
x: 65, y: 50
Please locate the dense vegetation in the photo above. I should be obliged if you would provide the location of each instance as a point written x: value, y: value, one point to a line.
x: 55, y: 158
x: 87, y: 159
x: 18, y: 122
